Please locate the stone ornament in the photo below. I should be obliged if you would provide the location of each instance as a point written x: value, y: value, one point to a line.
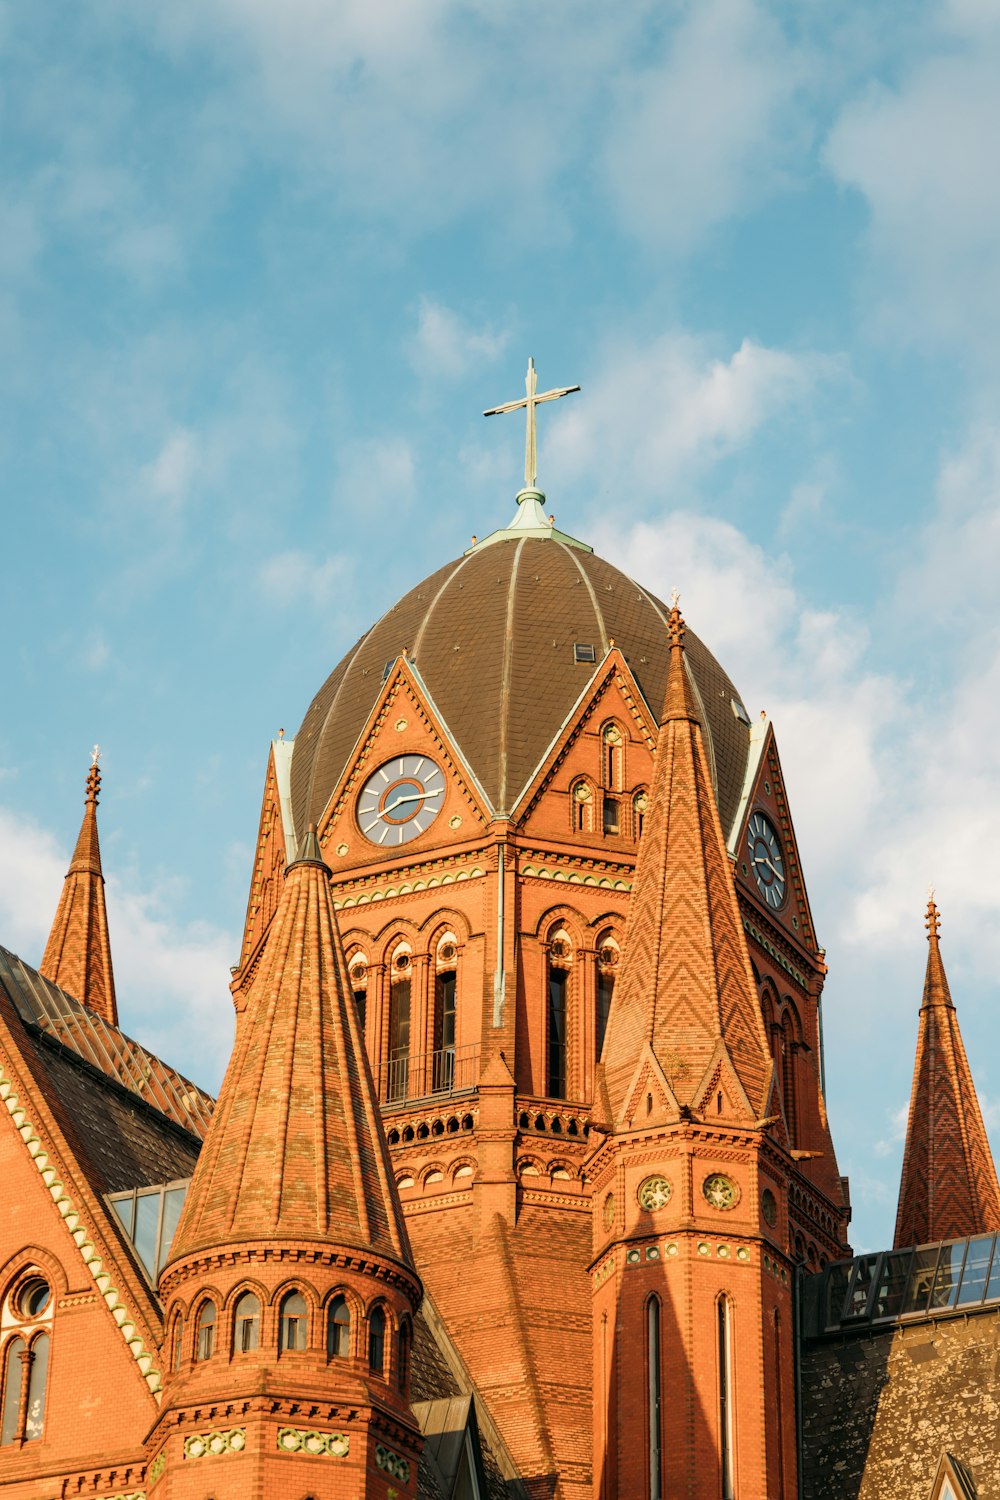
x: 392, y: 1463
x: 205, y: 1444
x: 156, y: 1468
x: 319, y: 1444
x: 654, y: 1192
x: 720, y: 1191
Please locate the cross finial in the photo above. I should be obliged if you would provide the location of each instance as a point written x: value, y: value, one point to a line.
x: 675, y: 597
x: 933, y: 917
x: 531, y: 400
x: 675, y: 620
x: 95, y: 755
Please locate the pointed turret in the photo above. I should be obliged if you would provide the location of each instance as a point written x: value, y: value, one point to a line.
x: 296, y: 1148
x: 949, y: 1184
x: 290, y: 1291
x: 78, y: 953
x: 686, y: 1013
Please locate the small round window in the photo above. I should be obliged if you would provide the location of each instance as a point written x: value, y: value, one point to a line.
x: 32, y: 1298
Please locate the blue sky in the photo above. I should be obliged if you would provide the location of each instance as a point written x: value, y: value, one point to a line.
x: 261, y: 269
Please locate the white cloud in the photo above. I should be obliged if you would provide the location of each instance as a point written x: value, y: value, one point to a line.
x: 171, y: 976
x: 169, y: 476
x: 376, y: 474
x: 922, y: 155
x: 710, y: 129
x: 669, y: 409
x: 445, y: 345
x: 293, y: 577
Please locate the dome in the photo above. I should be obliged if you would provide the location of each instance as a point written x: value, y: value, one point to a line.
x: 493, y: 636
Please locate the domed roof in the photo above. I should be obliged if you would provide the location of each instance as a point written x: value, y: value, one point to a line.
x: 493, y: 636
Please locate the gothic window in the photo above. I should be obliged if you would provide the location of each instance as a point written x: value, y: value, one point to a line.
x: 560, y: 955
x: 445, y: 997
x: 246, y: 1324
x: 613, y: 757
x: 338, y: 1329
x: 612, y: 815
x: 653, y: 1398
x: 640, y: 804
x: 177, y: 1343
x: 293, y: 1323
x: 205, y: 1337
x: 788, y: 1072
x: 777, y: 1402
x: 400, y: 976
x: 358, y: 971
x: 13, y: 1373
x: 608, y: 954
x: 582, y: 804
x: 405, y: 1337
x: 725, y: 1356
x: 37, y: 1372
x: 376, y: 1340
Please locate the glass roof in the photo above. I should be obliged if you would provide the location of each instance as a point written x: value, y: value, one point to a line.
x: 149, y: 1216
x: 42, y: 1004
x: 893, y: 1286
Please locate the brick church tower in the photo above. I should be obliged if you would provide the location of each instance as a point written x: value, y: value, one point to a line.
x: 693, y: 1384
x: 290, y: 1292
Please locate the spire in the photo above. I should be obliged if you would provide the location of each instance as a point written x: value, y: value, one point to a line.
x: 296, y: 1150
x: 685, y: 1012
x: 949, y: 1184
x: 78, y: 952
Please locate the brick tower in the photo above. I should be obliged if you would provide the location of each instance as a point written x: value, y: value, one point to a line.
x: 289, y: 1296
x: 949, y: 1184
x: 692, y: 1305
x: 78, y: 953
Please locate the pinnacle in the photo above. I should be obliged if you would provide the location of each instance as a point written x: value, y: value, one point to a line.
x: 679, y: 701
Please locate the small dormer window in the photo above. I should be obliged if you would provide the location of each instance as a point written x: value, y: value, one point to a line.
x: 583, y: 653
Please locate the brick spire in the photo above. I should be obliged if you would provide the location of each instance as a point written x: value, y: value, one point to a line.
x: 685, y: 999
x: 296, y: 1149
x: 78, y: 953
x: 949, y: 1184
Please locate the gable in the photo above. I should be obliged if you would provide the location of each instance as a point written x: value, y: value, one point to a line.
x: 765, y: 820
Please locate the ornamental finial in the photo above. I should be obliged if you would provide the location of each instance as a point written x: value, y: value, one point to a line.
x: 675, y: 620
x: 933, y: 917
x: 530, y: 401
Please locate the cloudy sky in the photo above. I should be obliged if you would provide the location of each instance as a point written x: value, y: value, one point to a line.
x: 263, y: 266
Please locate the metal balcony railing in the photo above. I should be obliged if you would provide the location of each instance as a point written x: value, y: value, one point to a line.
x: 450, y: 1070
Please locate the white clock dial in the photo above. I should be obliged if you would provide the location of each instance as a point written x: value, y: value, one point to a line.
x: 400, y: 800
x: 766, y: 860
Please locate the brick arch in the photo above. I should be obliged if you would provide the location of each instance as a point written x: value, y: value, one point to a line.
x: 247, y: 1284
x: 295, y: 1284
x: 432, y: 1166
x: 561, y: 915
x: 28, y: 1257
x: 396, y: 930
x: 441, y: 920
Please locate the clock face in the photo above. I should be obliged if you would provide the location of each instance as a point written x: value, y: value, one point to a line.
x: 766, y: 860
x: 400, y: 800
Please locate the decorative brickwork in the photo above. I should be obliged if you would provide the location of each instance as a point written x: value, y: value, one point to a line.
x: 949, y: 1184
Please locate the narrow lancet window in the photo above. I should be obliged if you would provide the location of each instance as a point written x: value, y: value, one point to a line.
x: 294, y: 1322
x: 653, y: 1398
x: 338, y: 1329
x: 246, y: 1324
x: 376, y: 1340
x: 556, y: 1080
x: 38, y: 1371
x: 205, y: 1345
x: 725, y: 1399
x: 12, y: 1375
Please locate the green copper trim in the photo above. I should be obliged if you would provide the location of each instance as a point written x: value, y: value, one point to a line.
x: 530, y: 520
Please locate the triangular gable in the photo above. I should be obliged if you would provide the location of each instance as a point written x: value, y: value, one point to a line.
x: 649, y: 1098
x: 612, y: 692
x: 94, y: 1236
x: 721, y: 1095
x: 952, y: 1481
x: 764, y: 792
x: 404, y: 721
x: 274, y: 850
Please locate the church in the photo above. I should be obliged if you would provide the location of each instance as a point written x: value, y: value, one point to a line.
x: 520, y: 1181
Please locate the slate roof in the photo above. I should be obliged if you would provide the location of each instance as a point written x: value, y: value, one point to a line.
x: 492, y: 636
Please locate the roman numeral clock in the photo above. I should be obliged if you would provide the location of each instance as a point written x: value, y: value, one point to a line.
x: 766, y: 860
x: 400, y: 800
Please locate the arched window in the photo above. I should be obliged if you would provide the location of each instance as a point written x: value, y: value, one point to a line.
x: 613, y: 759
x: 777, y: 1402
x: 376, y: 1340
x: 653, y: 1398
x: 560, y: 957
x: 13, y: 1375
x: 725, y: 1355
x: 400, y: 973
x: 246, y: 1324
x: 405, y: 1337
x: 358, y: 970
x: 788, y: 1073
x: 640, y: 806
x: 38, y: 1371
x: 294, y: 1322
x: 445, y: 999
x: 608, y: 954
x: 582, y: 805
x: 205, y: 1337
x: 177, y: 1343
x: 338, y: 1329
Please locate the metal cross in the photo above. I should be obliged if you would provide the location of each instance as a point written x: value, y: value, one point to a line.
x: 531, y: 400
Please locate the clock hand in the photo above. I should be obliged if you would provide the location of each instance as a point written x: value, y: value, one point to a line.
x: 765, y: 861
x: 413, y: 797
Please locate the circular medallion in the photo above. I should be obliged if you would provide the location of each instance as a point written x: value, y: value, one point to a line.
x: 766, y: 859
x: 400, y: 800
x: 769, y: 1207
x: 720, y: 1191
x: 654, y: 1193
x: 608, y: 1211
